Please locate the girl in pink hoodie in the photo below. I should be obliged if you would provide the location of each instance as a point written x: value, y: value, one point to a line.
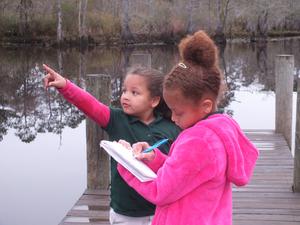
x: 193, y: 184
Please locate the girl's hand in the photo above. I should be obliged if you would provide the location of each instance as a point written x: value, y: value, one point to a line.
x: 53, y: 79
x: 138, y: 149
x: 125, y: 144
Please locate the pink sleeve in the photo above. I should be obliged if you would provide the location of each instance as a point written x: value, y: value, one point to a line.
x: 190, y: 165
x: 158, y: 161
x: 85, y: 102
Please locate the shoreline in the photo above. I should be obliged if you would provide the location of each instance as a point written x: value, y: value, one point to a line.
x: 49, y: 43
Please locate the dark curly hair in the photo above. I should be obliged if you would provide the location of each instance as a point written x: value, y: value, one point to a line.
x: 199, y: 72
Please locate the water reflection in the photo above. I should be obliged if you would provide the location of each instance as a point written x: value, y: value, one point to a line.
x: 28, y: 109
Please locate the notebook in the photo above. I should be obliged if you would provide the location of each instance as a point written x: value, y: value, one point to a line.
x: 125, y: 157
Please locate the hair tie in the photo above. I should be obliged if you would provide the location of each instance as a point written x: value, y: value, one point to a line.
x: 182, y: 65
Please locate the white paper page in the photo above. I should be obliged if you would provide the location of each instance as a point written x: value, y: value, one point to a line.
x: 125, y: 157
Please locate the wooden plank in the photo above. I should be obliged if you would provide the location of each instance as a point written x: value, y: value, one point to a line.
x: 295, y: 212
x: 85, y: 222
x: 97, y: 192
x: 263, y: 217
x: 251, y: 222
x: 92, y: 214
x: 93, y: 202
x: 249, y: 194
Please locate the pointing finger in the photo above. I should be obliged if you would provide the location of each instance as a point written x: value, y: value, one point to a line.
x: 49, y: 70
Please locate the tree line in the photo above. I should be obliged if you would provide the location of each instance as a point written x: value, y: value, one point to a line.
x: 135, y: 21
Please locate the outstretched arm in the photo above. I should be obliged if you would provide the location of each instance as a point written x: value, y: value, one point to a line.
x: 84, y: 101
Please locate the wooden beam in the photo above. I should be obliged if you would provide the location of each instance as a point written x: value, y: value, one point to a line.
x: 296, y: 184
x: 284, y: 70
x: 98, y: 176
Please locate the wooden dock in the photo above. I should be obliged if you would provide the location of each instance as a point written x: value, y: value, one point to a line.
x: 267, y: 200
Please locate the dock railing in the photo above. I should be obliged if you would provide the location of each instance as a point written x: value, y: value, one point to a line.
x: 284, y: 84
x: 98, y: 176
x: 284, y: 67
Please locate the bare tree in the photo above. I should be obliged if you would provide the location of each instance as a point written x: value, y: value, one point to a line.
x: 3, y: 5
x: 59, y: 23
x: 222, y: 11
x: 82, y: 8
x: 151, y: 14
x: 262, y: 24
x: 193, y: 6
x: 126, y: 34
x: 209, y: 15
x: 25, y: 7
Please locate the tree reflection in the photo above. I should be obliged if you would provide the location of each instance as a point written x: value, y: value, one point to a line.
x: 230, y: 75
x: 28, y: 109
x: 4, y: 123
x: 32, y: 109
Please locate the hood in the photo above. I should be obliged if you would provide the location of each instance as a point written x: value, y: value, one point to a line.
x: 241, y: 153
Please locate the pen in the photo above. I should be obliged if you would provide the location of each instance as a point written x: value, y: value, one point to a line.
x: 156, y: 145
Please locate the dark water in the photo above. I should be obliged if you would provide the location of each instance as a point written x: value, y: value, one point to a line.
x: 42, y: 138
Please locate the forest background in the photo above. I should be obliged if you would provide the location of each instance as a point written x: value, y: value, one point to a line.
x: 95, y: 22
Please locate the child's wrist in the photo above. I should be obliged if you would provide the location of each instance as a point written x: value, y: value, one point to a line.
x: 64, y: 84
x: 150, y: 156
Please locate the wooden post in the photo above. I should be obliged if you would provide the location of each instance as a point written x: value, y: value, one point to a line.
x: 98, y: 176
x: 296, y: 185
x: 284, y: 67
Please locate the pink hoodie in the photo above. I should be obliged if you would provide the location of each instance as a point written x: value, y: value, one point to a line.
x: 193, y: 184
